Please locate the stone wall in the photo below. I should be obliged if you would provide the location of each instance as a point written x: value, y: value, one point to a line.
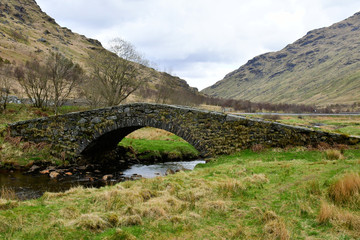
x: 212, y: 133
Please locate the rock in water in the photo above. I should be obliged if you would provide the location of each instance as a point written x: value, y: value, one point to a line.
x: 54, y: 174
x: 107, y: 177
x: 169, y: 171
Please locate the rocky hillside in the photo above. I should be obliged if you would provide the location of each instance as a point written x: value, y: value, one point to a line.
x: 321, y: 68
x: 27, y: 32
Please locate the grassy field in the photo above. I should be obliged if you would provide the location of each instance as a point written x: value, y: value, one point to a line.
x: 276, y: 194
x: 349, y: 125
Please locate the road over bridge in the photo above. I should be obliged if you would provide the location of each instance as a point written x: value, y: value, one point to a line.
x: 211, y: 133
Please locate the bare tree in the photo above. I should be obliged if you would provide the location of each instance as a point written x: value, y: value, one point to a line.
x: 63, y: 75
x: 115, y: 74
x: 5, y: 84
x: 55, y: 80
x: 91, y: 92
x: 35, y: 83
x: 166, y: 89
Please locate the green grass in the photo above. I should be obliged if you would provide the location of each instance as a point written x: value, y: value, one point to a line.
x: 175, y: 148
x: 349, y: 125
x: 268, y: 195
x: 350, y: 130
x: 21, y: 112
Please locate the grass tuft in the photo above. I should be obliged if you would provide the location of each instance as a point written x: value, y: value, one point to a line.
x: 8, y: 193
x: 92, y: 222
x: 257, y: 179
x: 7, y: 204
x: 217, y: 206
x: 121, y: 235
x: 134, y: 220
x: 230, y: 187
x: 331, y: 214
x: 313, y: 188
x: 333, y: 154
x: 326, y: 212
x: 275, y: 227
x: 346, y: 190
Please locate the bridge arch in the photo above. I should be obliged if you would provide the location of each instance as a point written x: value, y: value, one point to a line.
x: 211, y: 133
x: 109, y: 137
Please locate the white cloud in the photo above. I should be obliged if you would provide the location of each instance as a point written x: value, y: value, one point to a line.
x: 200, y: 40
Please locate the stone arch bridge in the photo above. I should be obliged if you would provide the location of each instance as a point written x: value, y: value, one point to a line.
x: 211, y: 133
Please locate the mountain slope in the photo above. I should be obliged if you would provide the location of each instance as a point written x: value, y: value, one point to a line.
x: 26, y: 32
x: 321, y: 68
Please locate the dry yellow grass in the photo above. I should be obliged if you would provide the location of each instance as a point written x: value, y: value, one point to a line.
x: 121, y: 234
x: 338, y: 217
x: 326, y: 212
x: 230, y: 186
x: 333, y: 154
x: 275, y: 227
x: 7, y: 204
x: 150, y: 134
x: 257, y: 179
x: 346, y: 190
x: 90, y: 221
x: 8, y: 194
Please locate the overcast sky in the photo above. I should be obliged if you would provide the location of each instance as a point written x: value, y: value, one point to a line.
x: 199, y: 40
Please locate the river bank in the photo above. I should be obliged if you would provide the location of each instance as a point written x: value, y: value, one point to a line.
x: 33, y: 184
x: 271, y: 194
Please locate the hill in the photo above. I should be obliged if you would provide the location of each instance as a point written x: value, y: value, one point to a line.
x: 26, y: 32
x: 321, y: 68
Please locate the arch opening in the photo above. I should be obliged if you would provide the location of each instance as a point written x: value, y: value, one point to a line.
x: 107, y: 141
x: 154, y: 144
x: 139, y: 144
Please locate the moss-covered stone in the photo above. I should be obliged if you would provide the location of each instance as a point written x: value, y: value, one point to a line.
x: 211, y: 133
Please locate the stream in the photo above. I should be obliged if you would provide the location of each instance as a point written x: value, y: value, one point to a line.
x: 29, y: 186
